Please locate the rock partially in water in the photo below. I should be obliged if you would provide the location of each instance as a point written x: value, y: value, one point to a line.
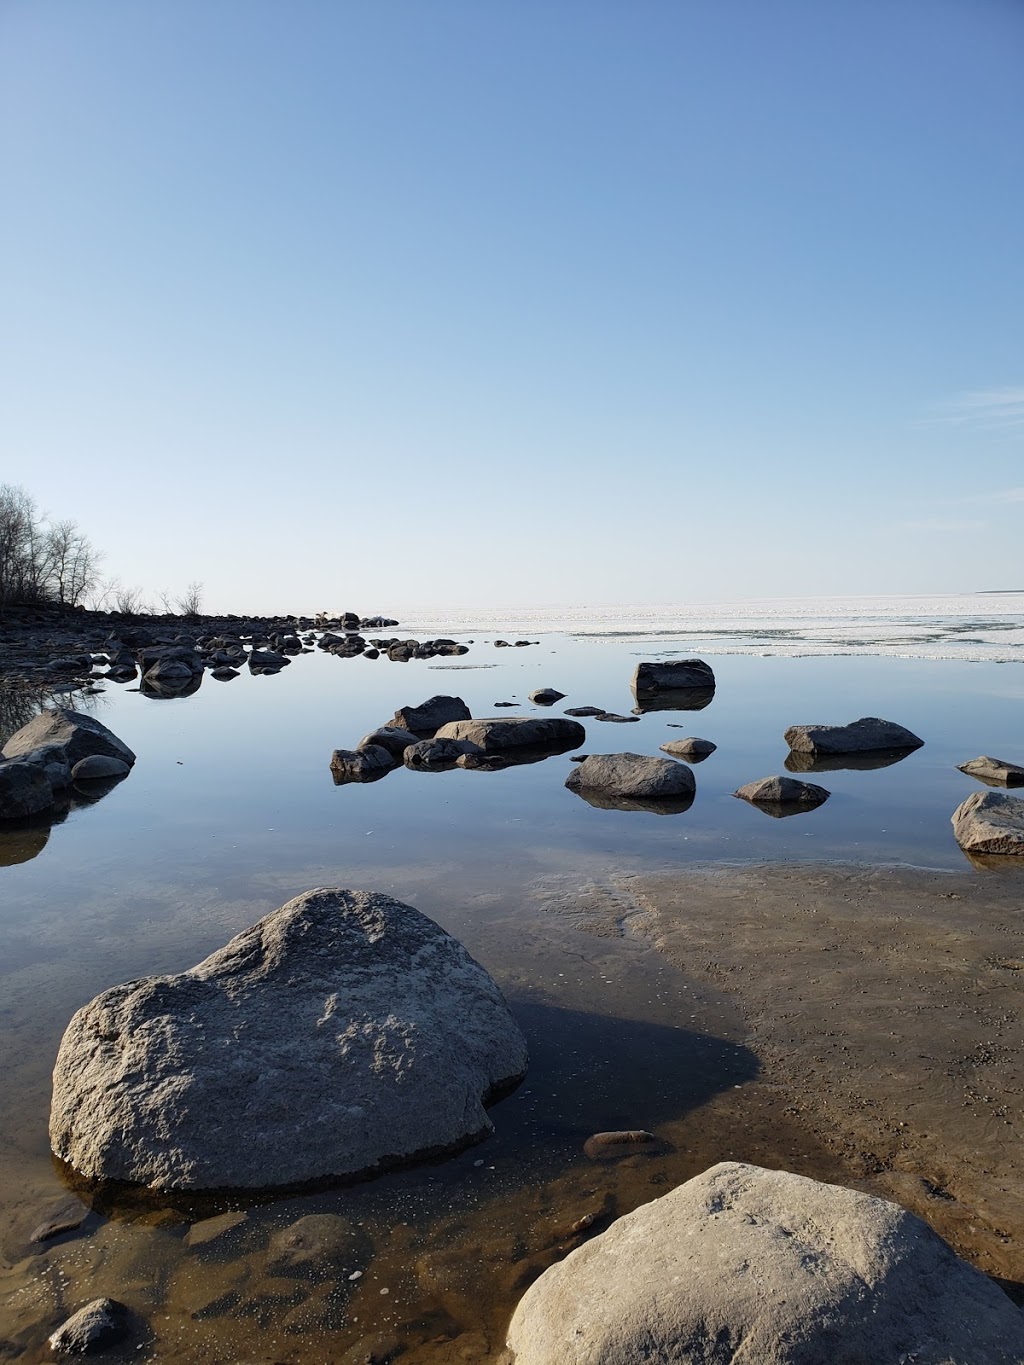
x: 390, y: 737
x: 24, y: 790
x: 430, y: 715
x: 583, y: 711
x: 624, y: 1142
x: 996, y: 771
x: 990, y: 822
x: 632, y: 775
x: 93, y: 1328
x: 342, y: 1034
x: 546, y: 696
x: 76, y: 734
x: 771, y: 1266
x: 493, y: 734
x: 691, y: 749
x: 673, y: 685
x: 361, y: 765
x: 66, y: 1216
x: 99, y: 766
x: 858, y: 737
x: 435, y: 755
x: 782, y: 795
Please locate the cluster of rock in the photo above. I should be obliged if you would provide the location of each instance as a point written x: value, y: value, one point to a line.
x: 440, y: 734
x: 342, y: 1034
x: 350, y: 646
x: 58, y: 751
x: 770, y: 1266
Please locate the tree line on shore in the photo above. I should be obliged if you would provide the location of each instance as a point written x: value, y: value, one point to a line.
x: 44, y: 562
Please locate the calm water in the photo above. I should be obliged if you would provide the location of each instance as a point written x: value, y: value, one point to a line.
x: 231, y: 810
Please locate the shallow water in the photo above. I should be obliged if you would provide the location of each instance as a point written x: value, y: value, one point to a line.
x: 231, y: 810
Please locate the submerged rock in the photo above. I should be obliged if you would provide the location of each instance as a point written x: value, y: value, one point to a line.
x: 996, y: 771
x: 361, y: 765
x: 771, y: 1266
x: 860, y: 736
x: 632, y: 775
x: 342, y: 1034
x: 98, y: 1325
x: 990, y: 822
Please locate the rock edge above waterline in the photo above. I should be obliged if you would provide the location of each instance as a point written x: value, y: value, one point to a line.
x: 797, y: 1271
x: 343, y: 1033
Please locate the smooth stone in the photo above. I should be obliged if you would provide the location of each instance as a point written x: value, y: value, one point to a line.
x: 859, y: 736
x: 632, y: 775
x: 99, y: 766
x: 691, y: 748
x: 437, y: 753
x: 990, y: 822
x: 98, y: 1325
x: 585, y: 711
x: 608, y: 1146
x: 318, y: 1241
x: 342, y: 1034
x: 546, y: 696
x: 786, y: 791
x: 77, y: 734
x: 771, y: 1267
x: 996, y: 770
x: 508, y: 732
x: 212, y: 1229
x: 391, y: 738
x: 68, y: 1215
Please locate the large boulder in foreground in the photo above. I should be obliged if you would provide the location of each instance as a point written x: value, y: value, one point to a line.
x: 990, y: 822
x: 76, y: 734
x: 495, y: 733
x: 632, y: 775
x: 860, y: 736
x: 342, y: 1034
x: 770, y: 1267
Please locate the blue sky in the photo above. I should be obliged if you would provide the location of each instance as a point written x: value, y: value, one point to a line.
x: 384, y: 304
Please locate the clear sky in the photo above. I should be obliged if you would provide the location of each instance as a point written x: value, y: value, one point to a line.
x: 404, y: 302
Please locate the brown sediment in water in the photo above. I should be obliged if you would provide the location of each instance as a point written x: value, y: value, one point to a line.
x: 855, y: 1025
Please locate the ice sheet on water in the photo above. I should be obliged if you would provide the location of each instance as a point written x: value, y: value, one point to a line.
x: 978, y: 627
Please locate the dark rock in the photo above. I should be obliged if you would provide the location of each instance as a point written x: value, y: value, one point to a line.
x: 860, y: 736
x: 430, y: 715
x: 66, y: 1216
x: 389, y: 737
x: 24, y: 790
x: 361, y: 765
x: 77, y: 734
x: 437, y: 754
x: 675, y: 675
x: 786, y: 789
x: 627, y: 1142
x: 616, y: 719
x: 546, y: 696
x: 98, y: 766
x: 508, y: 732
x: 632, y: 775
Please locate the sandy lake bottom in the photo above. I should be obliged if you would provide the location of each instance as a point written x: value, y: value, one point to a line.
x: 837, y: 993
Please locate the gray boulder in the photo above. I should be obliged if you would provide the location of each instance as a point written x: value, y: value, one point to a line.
x: 431, y: 715
x: 24, y: 789
x: 632, y: 775
x: 340, y: 1035
x: 495, y: 733
x: 98, y: 1325
x: 671, y: 676
x: 76, y: 734
x: 361, y: 765
x: 782, y: 791
x: 996, y: 771
x: 99, y: 766
x: 546, y: 696
x: 771, y: 1267
x: 389, y: 737
x: 990, y: 822
x: 438, y: 753
x: 692, y: 749
x: 860, y: 736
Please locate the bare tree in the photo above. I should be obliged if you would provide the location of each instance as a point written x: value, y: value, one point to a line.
x: 71, y: 561
x: 190, y: 603
x: 23, y: 567
x: 126, y: 600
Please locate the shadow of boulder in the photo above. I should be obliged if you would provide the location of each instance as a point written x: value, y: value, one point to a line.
x: 800, y: 761
x: 662, y: 805
x: 674, y: 699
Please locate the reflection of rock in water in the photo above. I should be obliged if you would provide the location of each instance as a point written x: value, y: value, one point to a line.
x: 22, y: 845
x: 167, y: 689
x: 675, y: 699
x: 779, y: 810
x: 798, y: 761
x: 664, y: 805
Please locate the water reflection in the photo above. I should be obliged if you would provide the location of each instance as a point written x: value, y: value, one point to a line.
x: 665, y: 805
x: 803, y: 762
x: 26, y: 841
x: 674, y: 699
x: 167, y: 688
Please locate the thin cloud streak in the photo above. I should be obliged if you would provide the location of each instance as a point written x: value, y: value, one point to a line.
x: 987, y: 408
